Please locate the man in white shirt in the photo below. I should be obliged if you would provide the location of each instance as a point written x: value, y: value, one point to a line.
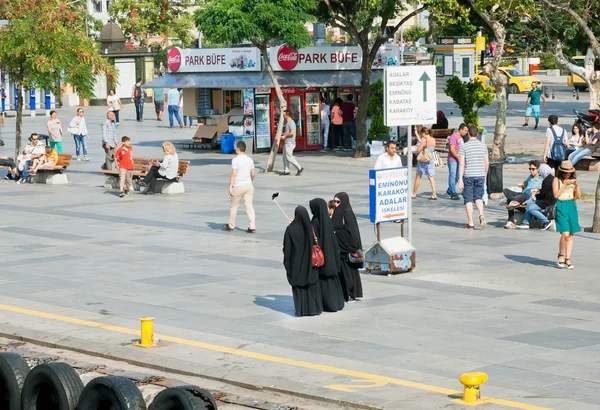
x: 240, y: 187
x: 389, y: 159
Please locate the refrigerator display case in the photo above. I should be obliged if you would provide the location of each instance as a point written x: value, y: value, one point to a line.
x: 262, y: 108
x: 313, y: 119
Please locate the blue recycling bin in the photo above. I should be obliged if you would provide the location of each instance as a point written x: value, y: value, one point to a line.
x: 227, y: 143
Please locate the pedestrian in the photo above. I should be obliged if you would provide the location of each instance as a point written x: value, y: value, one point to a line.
x: 125, y: 165
x: 390, y: 159
x: 137, y: 97
x: 78, y: 128
x: 576, y: 141
x: 337, y: 122
x: 158, y: 98
x: 592, y: 142
x: 297, y: 260
x: 114, y: 104
x: 161, y: 69
x: 109, y: 140
x: 166, y: 169
x: 329, y: 273
x: 55, y: 130
x: 325, y: 115
x: 541, y: 200
x: 241, y: 187
x: 173, y: 99
x: 441, y: 121
x: 186, y: 118
x: 532, y: 105
x: 425, y: 163
x: 530, y: 187
x: 289, y: 135
x: 455, y: 141
x: 12, y: 172
x: 472, y: 174
x: 347, y: 233
x: 555, y: 147
x: 566, y: 191
x: 349, y: 110
x: 1, y: 127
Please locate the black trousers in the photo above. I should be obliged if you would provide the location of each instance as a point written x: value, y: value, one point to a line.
x: 337, y: 131
x: 514, y: 196
x: 151, y: 177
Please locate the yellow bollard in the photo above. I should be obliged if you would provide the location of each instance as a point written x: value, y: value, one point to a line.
x: 471, y: 381
x: 147, y: 338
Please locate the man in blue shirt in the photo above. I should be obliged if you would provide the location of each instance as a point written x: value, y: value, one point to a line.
x: 173, y: 100
x: 531, y: 185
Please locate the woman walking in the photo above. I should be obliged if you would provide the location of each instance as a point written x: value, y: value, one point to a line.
x: 114, y: 104
x: 165, y: 169
x: 346, y: 230
x: 78, y: 128
x: 337, y: 122
x: 329, y: 279
x: 297, y: 260
x: 566, y: 191
x: 55, y: 130
x: 426, y: 168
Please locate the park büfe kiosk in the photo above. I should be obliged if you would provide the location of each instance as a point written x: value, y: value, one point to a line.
x: 409, y: 99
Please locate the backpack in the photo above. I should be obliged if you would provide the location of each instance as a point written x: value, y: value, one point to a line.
x: 137, y: 92
x: 558, y: 152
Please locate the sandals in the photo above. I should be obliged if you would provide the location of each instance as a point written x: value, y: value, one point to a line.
x: 568, y: 264
x: 433, y: 198
x: 413, y: 196
x: 561, y: 264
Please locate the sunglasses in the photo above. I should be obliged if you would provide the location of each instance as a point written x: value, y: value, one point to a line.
x: 337, y: 201
x: 532, y: 169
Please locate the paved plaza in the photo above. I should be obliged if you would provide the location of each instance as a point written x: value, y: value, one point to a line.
x: 80, y: 266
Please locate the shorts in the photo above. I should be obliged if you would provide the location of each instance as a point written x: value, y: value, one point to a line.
x: 159, y: 106
x: 535, y: 109
x: 473, y: 189
x: 567, y: 219
x: 8, y: 163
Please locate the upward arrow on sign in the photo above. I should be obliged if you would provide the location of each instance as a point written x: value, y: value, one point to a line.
x: 425, y: 78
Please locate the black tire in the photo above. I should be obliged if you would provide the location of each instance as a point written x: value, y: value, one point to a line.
x: 51, y: 386
x: 177, y: 398
x: 513, y: 88
x: 209, y: 401
x: 111, y: 393
x: 13, y: 371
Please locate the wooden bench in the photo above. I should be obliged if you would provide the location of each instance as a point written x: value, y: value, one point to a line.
x: 141, y: 167
x: 590, y: 162
x: 441, y: 139
x: 54, y: 175
x: 442, y: 133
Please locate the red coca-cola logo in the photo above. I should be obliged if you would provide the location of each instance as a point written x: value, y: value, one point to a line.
x: 174, y: 59
x: 287, y: 57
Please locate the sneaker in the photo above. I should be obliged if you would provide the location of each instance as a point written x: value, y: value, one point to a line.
x: 126, y: 192
x: 285, y: 173
x: 535, y: 127
x: 467, y: 226
x: 117, y: 124
x: 523, y: 226
x: 251, y: 230
x: 19, y: 181
x: 547, y: 225
x: 121, y: 194
x: 525, y: 125
x: 8, y: 177
x: 299, y: 172
x: 455, y: 197
x: 482, y: 221
x: 513, y: 204
x: 78, y: 158
x: 85, y: 158
x: 227, y: 227
x: 510, y: 225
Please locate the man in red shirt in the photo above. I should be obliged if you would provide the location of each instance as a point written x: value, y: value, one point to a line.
x: 349, y: 125
x: 125, y: 166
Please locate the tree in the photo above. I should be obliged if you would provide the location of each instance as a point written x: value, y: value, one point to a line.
x: 377, y: 129
x: 148, y: 18
x: 414, y: 33
x: 366, y: 21
x: 469, y: 96
x: 260, y: 22
x: 496, y: 14
x: 41, y: 49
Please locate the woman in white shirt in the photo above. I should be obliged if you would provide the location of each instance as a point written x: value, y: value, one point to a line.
x: 165, y: 169
x: 78, y: 128
x: 114, y: 104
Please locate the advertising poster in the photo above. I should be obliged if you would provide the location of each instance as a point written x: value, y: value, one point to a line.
x: 248, y: 101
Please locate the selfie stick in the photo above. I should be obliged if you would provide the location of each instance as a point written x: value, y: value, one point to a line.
x: 275, y: 195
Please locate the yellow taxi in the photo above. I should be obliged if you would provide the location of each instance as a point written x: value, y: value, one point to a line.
x: 518, y: 82
x: 573, y: 80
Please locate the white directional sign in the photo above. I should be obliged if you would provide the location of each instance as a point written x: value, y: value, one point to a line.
x: 409, y: 95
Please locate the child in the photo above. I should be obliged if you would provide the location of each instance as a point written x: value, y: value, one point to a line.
x: 49, y: 160
x: 330, y: 207
x: 22, y: 159
x: 125, y: 166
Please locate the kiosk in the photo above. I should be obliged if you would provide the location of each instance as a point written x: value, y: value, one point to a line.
x: 455, y: 56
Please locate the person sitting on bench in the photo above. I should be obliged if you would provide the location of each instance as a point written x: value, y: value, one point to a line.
x: 165, y: 169
x: 530, y: 187
x: 543, y: 199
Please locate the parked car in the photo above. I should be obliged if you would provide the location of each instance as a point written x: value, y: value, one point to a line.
x: 518, y: 81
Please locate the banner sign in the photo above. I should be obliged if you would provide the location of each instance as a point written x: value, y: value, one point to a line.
x: 212, y: 60
x: 388, y: 194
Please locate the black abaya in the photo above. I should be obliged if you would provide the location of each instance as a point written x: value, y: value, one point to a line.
x: 348, y: 235
x: 297, y: 259
x: 329, y: 279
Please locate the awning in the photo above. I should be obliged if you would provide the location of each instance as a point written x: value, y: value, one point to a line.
x: 304, y: 79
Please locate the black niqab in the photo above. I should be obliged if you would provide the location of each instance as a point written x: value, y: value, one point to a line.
x: 345, y: 225
x: 323, y: 227
x: 297, y: 250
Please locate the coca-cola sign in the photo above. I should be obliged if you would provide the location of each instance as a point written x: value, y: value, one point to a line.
x: 287, y: 57
x: 174, y: 59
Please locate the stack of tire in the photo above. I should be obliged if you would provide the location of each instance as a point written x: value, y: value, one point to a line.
x: 57, y: 386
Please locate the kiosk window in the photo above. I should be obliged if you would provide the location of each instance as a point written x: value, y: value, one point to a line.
x: 466, y: 67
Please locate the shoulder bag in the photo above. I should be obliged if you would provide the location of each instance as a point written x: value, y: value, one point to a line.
x: 74, y: 130
x: 318, y: 259
x: 425, y: 156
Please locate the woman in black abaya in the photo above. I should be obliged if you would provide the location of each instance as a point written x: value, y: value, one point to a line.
x: 348, y: 235
x: 297, y: 259
x: 331, y: 288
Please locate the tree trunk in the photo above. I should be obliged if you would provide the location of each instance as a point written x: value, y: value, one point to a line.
x: 363, y: 105
x: 19, y: 126
x: 596, y: 222
x: 282, y: 108
x: 595, y: 93
x: 498, y: 153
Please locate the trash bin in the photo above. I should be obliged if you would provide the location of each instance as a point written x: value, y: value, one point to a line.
x: 248, y: 139
x: 494, y: 179
x: 227, y: 143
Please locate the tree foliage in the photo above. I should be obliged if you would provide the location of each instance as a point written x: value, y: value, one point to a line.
x: 414, y: 33
x: 469, y: 96
x: 377, y: 129
x: 41, y: 49
x: 260, y: 22
x: 148, y: 18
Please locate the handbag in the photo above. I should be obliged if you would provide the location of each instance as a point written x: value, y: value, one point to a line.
x: 425, y: 156
x: 357, y: 257
x: 74, y: 130
x: 318, y: 259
